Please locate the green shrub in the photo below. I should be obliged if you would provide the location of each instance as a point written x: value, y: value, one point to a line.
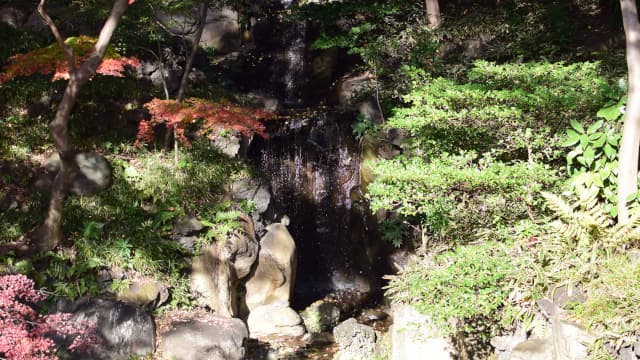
x: 509, y: 107
x: 462, y: 285
x: 454, y: 196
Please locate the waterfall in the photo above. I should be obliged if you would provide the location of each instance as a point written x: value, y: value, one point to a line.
x: 294, y: 56
x: 313, y: 162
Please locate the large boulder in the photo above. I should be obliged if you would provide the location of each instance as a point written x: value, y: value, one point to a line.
x: 273, y: 279
x: 216, y: 271
x: 412, y: 333
x: 222, y: 339
x: 125, y: 329
x: 91, y: 173
x: 276, y: 319
x: 221, y: 31
x: 355, y: 341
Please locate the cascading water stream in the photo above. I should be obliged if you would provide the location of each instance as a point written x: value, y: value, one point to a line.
x: 295, y: 64
x: 313, y: 163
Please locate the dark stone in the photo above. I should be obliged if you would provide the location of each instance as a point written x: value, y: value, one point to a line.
x: 187, y: 242
x: 223, y: 339
x: 189, y: 225
x: 125, y: 329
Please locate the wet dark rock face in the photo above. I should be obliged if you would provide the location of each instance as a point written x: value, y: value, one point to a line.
x: 314, y: 164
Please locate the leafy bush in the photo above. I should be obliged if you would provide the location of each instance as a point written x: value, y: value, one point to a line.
x: 454, y: 196
x: 458, y: 286
x: 509, y: 107
x: 25, y: 334
x: 593, y: 159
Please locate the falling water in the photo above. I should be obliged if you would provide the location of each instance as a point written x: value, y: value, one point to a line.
x: 313, y: 162
x: 295, y: 64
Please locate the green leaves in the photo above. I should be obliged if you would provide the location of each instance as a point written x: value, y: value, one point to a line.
x: 593, y: 158
x: 469, y: 282
x: 613, y: 112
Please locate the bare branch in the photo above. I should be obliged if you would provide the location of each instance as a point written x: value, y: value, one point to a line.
x: 68, y: 51
x: 202, y: 16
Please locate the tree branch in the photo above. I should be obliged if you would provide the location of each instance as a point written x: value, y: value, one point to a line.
x: 68, y: 51
x: 194, y: 48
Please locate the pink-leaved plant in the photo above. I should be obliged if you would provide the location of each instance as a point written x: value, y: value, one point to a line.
x: 27, y: 335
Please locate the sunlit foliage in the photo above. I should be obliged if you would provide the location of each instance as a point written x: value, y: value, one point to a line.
x: 52, y: 59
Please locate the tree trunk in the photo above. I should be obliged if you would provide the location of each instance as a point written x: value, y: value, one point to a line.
x: 49, y: 235
x: 202, y: 16
x: 630, y: 144
x: 433, y: 13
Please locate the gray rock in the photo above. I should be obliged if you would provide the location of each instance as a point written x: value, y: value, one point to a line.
x: 320, y: 316
x: 351, y: 87
x: 413, y: 333
x: 570, y: 340
x: 274, y: 319
x: 215, y: 273
x: 35, y: 22
x: 255, y: 190
x: 224, y: 339
x: 145, y: 292
x: 274, y: 277
x: 534, y: 349
x: 229, y: 143
x: 565, y: 294
x: 189, y: 225
x: 263, y: 101
x: 504, y: 345
x: 187, y: 242
x: 221, y: 31
x: 355, y: 341
x: 92, y: 173
x: 126, y: 330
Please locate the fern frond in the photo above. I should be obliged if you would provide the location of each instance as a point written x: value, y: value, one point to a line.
x: 627, y: 231
x: 560, y: 207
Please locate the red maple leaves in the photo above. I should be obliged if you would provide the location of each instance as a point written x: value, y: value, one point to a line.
x: 212, y: 116
x: 25, y: 334
x: 51, y: 59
